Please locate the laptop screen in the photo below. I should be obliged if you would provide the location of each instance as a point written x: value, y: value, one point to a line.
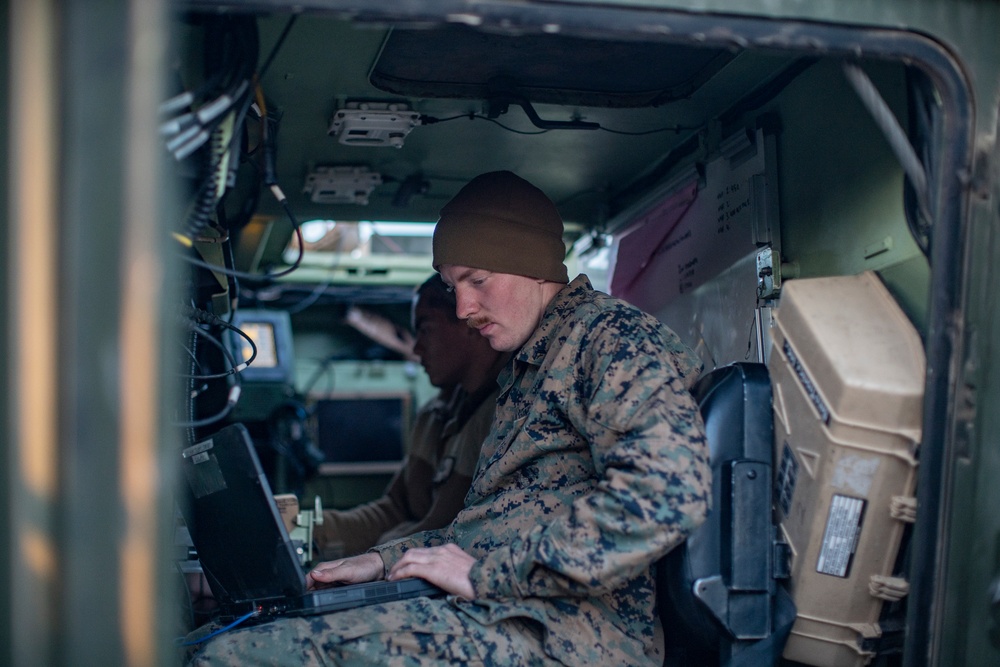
x: 235, y: 526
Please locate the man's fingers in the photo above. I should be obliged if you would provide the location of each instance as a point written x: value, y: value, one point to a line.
x: 447, y: 567
x: 324, y: 573
x: 366, y: 567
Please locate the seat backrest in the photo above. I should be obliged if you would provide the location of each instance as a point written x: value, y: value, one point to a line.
x: 716, y: 591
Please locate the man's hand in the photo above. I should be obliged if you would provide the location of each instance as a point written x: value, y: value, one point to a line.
x: 354, y: 570
x: 447, y: 567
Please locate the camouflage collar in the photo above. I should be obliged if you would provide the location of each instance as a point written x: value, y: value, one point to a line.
x: 566, y: 301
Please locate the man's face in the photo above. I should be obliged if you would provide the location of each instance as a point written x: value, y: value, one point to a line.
x: 504, y: 308
x: 442, y: 345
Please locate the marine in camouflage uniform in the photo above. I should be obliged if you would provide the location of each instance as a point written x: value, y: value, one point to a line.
x: 427, y: 491
x: 595, y: 467
x: 430, y: 488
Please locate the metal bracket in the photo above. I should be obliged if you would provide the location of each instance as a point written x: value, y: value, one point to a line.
x: 373, y: 123
x: 305, y: 521
x: 341, y: 185
x: 503, y: 92
x: 768, y: 274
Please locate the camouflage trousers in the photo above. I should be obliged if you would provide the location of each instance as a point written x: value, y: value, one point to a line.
x: 419, y: 631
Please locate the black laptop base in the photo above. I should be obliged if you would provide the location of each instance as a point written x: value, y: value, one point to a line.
x: 329, y: 600
x: 242, y: 544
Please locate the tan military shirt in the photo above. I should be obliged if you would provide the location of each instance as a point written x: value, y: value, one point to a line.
x: 427, y: 491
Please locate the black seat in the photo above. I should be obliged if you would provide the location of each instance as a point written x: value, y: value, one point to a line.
x: 718, y: 597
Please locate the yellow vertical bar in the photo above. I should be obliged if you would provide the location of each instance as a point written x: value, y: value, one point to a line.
x: 33, y: 135
x: 141, y: 341
x: 34, y: 284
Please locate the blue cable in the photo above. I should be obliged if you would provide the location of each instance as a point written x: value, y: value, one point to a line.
x: 217, y: 632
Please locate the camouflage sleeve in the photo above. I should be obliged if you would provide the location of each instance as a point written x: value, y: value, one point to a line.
x: 349, y: 532
x: 466, y: 445
x: 393, y: 550
x: 646, y: 439
x: 449, y: 498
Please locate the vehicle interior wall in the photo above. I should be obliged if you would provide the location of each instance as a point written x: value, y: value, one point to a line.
x: 840, y: 189
x: 841, y: 211
x: 974, y: 553
x: 815, y: 214
x: 839, y: 184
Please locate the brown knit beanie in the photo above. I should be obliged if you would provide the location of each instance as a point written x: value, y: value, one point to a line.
x: 501, y: 222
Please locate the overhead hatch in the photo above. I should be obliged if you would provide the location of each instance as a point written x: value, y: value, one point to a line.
x: 460, y: 63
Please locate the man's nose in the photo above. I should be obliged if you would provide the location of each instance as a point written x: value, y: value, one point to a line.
x: 465, y: 306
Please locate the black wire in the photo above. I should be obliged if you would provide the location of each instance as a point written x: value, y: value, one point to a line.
x: 208, y: 421
x: 753, y: 325
x: 194, y: 358
x: 192, y: 366
x: 205, y: 200
x: 668, y: 128
x: 320, y: 371
x: 231, y: 54
x: 313, y: 296
x: 234, y: 300
x: 239, y: 131
x: 277, y: 45
x: 232, y: 284
x: 251, y: 54
x: 205, y: 317
x: 228, y: 407
x: 229, y: 356
x: 237, y: 61
x: 214, y: 81
x: 430, y: 120
x: 509, y: 129
x: 321, y: 287
x: 258, y: 276
x: 253, y: 346
x: 240, y: 47
x: 212, y: 376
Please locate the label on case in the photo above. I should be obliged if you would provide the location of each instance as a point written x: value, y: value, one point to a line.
x: 840, y: 539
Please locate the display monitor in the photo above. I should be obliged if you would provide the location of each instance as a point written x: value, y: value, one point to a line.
x: 271, y: 332
x: 363, y: 428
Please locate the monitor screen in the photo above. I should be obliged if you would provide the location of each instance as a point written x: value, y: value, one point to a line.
x: 262, y: 334
x: 363, y: 428
x: 271, y: 332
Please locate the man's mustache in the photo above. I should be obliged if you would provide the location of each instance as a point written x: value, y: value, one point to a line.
x: 477, y: 322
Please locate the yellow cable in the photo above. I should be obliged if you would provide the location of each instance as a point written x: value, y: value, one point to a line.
x: 185, y: 241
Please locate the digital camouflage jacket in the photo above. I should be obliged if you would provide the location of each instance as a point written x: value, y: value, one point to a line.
x: 595, y: 467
